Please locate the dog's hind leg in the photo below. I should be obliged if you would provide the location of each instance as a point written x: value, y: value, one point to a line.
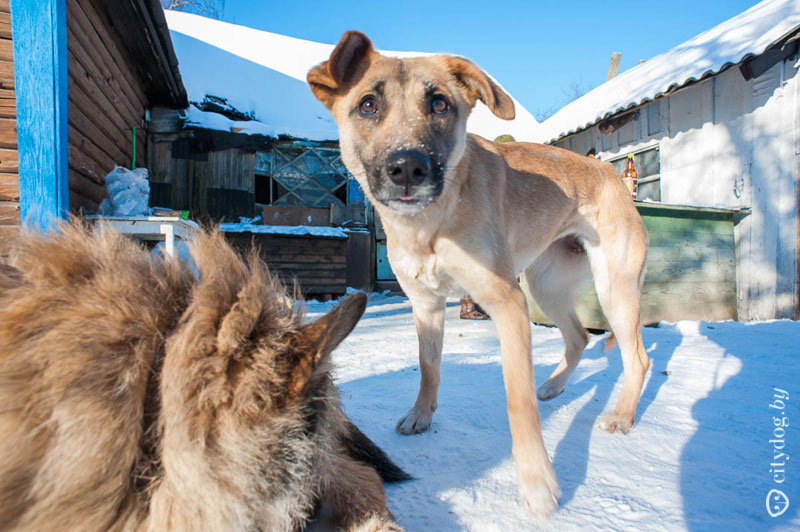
x: 617, y: 263
x: 429, y: 318
x: 554, y: 279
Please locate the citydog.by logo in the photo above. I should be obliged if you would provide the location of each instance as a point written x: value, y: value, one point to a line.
x: 777, y: 501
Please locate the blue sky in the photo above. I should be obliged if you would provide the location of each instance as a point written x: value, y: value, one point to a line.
x: 536, y: 49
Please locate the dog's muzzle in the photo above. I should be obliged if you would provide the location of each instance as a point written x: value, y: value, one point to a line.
x: 412, y: 181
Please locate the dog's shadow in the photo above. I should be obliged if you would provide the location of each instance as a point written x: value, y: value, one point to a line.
x: 469, y: 443
x: 571, y: 457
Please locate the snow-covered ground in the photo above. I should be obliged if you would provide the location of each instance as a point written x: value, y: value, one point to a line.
x: 698, y: 458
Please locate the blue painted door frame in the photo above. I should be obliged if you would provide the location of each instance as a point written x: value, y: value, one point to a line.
x: 39, y: 29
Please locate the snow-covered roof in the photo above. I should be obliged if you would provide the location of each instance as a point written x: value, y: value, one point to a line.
x: 264, y: 74
x: 746, y: 35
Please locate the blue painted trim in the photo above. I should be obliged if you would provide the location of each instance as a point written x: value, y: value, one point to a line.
x: 40, y: 71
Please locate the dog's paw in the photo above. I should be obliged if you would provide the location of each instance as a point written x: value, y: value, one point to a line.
x: 551, y: 388
x: 615, y: 422
x: 541, y: 495
x: 414, y: 422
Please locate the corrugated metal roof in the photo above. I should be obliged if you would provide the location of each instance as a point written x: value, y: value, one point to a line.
x: 744, y: 36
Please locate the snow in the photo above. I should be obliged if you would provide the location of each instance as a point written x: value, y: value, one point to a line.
x: 264, y: 74
x: 698, y: 457
x: 245, y: 227
x: 747, y: 34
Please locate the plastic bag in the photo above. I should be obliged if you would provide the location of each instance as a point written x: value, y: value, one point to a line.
x: 128, y: 193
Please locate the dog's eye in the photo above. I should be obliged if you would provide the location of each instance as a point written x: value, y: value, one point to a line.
x: 368, y: 106
x: 439, y: 105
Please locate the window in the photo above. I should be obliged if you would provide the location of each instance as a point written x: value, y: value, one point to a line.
x: 309, y: 176
x: 648, y: 166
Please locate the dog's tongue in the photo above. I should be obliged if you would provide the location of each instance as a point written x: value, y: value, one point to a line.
x: 406, y: 197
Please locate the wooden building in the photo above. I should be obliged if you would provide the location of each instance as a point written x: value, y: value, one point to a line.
x: 9, y: 159
x: 86, y: 74
x: 713, y: 123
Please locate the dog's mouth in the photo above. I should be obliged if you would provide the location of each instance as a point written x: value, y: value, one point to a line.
x: 408, y: 182
x: 412, y: 199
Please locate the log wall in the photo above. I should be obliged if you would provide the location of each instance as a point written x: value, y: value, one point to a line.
x: 318, y: 264
x: 9, y: 166
x: 106, y: 100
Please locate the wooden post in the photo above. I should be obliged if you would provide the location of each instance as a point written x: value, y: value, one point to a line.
x: 40, y: 73
x: 613, y: 67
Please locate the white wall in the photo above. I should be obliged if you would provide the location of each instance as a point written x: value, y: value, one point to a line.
x: 727, y: 142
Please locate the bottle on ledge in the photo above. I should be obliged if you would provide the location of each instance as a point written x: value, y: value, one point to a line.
x: 629, y: 177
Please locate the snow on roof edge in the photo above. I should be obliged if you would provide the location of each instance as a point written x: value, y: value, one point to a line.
x: 552, y: 130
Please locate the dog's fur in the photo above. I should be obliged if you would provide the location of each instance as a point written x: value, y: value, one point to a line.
x: 137, y: 396
x: 473, y: 215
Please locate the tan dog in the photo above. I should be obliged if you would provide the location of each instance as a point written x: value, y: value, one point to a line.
x: 466, y: 215
x: 134, y: 396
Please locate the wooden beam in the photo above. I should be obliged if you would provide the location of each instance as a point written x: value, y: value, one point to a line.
x: 40, y: 52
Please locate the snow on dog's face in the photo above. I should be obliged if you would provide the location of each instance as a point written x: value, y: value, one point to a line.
x: 402, y: 122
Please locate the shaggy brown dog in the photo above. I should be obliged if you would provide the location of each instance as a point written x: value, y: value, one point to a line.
x: 134, y: 396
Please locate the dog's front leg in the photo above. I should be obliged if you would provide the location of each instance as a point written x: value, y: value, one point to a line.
x: 428, y: 311
x: 537, y: 480
x: 491, y: 282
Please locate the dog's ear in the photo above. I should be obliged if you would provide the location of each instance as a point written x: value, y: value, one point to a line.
x: 315, y: 341
x: 479, y: 86
x: 326, y: 78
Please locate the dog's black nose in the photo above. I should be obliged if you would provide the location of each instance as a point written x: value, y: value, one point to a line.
x: 408, y: 167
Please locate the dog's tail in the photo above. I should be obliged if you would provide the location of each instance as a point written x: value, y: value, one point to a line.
x: 359, y: 447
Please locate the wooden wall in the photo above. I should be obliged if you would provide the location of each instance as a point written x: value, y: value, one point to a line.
x: 9, y: 180
x: 215, y: 184
x: 318, y: 264
x: 106, y: 101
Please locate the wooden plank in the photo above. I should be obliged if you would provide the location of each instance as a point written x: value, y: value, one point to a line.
x: 670, y: 224
x: 7, y: 50
x: 5, y: 24
x: 9, y: 213
x: 84, y: 165
x: 7, y: 80
x: 8, y: 133
x: 4, y: 6
x: 8, y: 108
x: 9, y: 192
x: 40, y: 51
x: 9, y: 163
x: 304, y: 259
x: 689, y: 252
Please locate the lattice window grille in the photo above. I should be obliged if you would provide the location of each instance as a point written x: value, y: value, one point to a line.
x: 309, y: 176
